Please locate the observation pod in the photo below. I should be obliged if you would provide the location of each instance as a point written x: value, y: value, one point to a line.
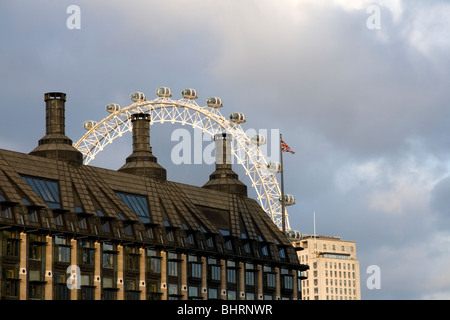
x: 164, y: 92
x: 112, y: 107
x: 88, y: 125
x: 258, y: 139
x: 189, y: 94
x: 274, y: 167
x: 289, y: 199
x: 237, y: 117
x: 214, y: 102
x: 294, y: 235
x: 137, y: 96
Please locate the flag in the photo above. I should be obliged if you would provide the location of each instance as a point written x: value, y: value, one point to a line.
x: 285, y: 147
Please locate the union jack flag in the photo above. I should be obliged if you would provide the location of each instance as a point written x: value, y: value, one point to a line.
x: 285, y: 147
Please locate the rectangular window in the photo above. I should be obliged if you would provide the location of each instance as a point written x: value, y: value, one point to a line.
x: 6, y: 212
x: 229, y: 245
x: 137, y: 204
x: 128, y: 230
x: 265, y: 251
x: 249, y: 278
x: 193, y: 291
x: 108, y: 255
x: 288, y: 282
x: 155, y: 265
x: 210, y: 242
x: 196, y: 270
x: 231, y: 295
x: 58, y: 219
x: 153, y: 261
x: 249, y: 296
x: 231, y: 275
x: 131, y: 259
x: 11, y: 246
x: 10, y: 283
x: 108, y: 260
x: 170, y: 236
x: 63, y: 254
x: 212, y: 293
x: 47, y: 190
x: 153, y: 290
x: 105, y: 227
x: 87, y: 256
x: 87, y: 293
x: 270, y: 280
x: 190, y: 239
x: 61, y: 291
x: 231, y: 272
x: 35, y: 290
x: 173, y: 289
x: 35, y: 252
x: 82, y: 223
x: 32, y: 215
x: 282, y: 253
x: 214, y: 272
x: 107, y: 282
x: 172, y: 267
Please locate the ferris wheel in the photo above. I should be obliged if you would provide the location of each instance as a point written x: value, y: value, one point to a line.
x: 186, y: 111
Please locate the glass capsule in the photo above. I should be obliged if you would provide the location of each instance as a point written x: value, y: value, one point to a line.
x: 258, y: 139
x: 88, y: 125
x: 237, y: 117
x: 137, y: 96
x: 274, y: 167
x: 189, y: 94
x: 289, y: 199
x: 164, y: 92
x: 214, y: 102
x: 112, y: 107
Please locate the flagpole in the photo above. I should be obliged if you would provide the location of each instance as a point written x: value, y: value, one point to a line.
x: 283, y: 219
x: 315, y: 243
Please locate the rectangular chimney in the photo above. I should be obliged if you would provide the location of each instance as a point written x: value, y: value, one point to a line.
x: 55, y: 112
x: 223, y: 148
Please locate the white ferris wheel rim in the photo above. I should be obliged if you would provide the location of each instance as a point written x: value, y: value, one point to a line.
x: 212, y: 121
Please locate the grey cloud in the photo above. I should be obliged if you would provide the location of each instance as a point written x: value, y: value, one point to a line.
x: 342, y: 95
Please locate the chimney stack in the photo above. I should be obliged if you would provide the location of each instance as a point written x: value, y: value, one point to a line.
x: 224, y: 178
x: 55, y: 144
x: 142, y: 161
x: 55, y: 112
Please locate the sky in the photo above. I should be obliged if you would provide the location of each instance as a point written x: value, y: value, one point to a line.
x: 359, y: 90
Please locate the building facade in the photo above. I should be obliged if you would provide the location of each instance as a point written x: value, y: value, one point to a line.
x: 69, y: 231
x: 333, y: 268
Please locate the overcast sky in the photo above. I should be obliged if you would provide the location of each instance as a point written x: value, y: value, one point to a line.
x: 363, y: 99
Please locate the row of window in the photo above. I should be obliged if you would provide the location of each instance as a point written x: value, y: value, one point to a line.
x: 333, y: 247
x: 48, y: 190
x: 336, y: 265
x: 331, y: 290
x: 170, y: 235
x: 340, y: 274
x: 316, y: 297
x: 330, y: 282
x: 131, y: 258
